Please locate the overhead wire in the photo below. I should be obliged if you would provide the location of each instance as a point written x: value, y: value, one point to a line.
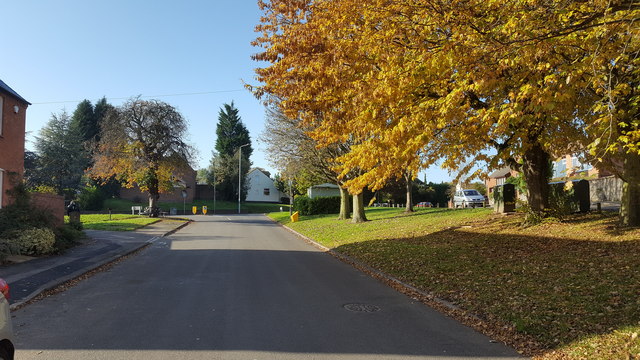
x: 142, y: 96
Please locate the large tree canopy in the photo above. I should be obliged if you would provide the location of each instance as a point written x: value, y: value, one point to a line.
x: 409, y: 83
x: 143, y: 143
x: 60, y: 157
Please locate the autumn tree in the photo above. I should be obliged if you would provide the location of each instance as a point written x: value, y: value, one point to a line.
x: 407, y: 85
x: 292, y: 150
x: 142, y: 142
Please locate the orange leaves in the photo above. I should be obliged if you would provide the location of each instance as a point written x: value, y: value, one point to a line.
x: 404, y: 85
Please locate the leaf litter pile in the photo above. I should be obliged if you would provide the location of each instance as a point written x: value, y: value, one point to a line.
x: 560, y: 290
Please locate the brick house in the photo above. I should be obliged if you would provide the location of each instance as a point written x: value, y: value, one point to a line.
x: 12, y: 133
x: 498, y: 177
x: 13, y: 114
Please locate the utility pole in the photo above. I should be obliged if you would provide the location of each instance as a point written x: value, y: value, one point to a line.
x: 290, y: 197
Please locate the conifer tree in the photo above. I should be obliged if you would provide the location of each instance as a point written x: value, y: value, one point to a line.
x: 231, y: 134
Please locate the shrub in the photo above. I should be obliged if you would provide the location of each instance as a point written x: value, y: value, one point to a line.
x: 325, y: 205
x: 91, y: 198
x: 21, y: 215
x: 67, y: 236
x: 315, y: 206
x: 34, y: 241
x: 301, y: 204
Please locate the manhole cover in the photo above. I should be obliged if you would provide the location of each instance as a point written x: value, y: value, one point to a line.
x: 362, y: 308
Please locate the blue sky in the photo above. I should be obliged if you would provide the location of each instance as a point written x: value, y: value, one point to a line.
x: 57, y: 53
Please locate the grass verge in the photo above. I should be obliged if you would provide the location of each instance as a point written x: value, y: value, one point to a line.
x: 118, y: 222
x: 121, y: 205
x: 559, y: 290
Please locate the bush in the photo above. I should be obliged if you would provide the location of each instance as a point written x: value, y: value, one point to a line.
x: 325, y: 205
x: 301, y: 205
x: 315, y: 206
x: 35, y: 241
x: 21, y: 215
x: 91, y: 198
x: 68, y: 236
x: 29, y: 230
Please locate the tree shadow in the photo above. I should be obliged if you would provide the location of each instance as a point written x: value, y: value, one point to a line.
x: 554, y: 290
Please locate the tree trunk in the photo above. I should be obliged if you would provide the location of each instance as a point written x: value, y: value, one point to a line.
x: 154, y: 194
x: 345, y: 209
x: 535, y: 169
x: 153, y: 204
x: 630, y: 205
x: 409, y: 207
x: 358, y: 209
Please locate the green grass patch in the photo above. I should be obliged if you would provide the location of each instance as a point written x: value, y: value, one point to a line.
x: 118, y: 222
x: 121, y: 205
x: 572, y: 286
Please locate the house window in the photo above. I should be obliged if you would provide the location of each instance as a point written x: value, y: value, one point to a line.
x: 579, y: 166
x: 560, y: 168
x: 266, y: 192
x: 500, y: 181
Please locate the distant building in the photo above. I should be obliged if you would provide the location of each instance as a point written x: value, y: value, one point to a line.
x: 323, y: 190
x: 262, y: 188
x: 563, y: 168
x: 187, y: 183
x: 570, y: 166
x: 497, y: 178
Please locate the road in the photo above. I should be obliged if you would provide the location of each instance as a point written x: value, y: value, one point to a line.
x: 239, y: 287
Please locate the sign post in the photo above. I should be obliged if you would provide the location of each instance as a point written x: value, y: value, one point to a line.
x: 184, y: 200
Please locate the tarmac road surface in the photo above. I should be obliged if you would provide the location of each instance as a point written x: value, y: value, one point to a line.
x: 239, y: 287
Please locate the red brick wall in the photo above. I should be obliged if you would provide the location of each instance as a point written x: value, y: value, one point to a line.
x: 53, y: 203
x: 175, y: 196
x: 11, y: 142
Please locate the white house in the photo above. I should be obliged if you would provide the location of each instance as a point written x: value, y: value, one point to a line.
x: 261, y: 187
x: 323, y: 190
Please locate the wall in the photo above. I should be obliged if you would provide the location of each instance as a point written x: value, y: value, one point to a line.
x: 314, y: 192
x: 11, y: 142
x: 134, y: 193
x: 258, y: 182
x: 52, y: 203
x: 204, y: 192
x: 605, y: 189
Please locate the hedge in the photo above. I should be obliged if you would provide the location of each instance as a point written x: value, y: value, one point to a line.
x: 318, y: 205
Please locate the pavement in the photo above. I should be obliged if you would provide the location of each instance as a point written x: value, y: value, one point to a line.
x: 32, y: 276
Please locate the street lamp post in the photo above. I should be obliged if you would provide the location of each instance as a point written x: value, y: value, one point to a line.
x: 240, y: 174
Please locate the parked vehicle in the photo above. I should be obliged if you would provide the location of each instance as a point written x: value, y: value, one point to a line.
x: 6, y: 330
x: 468, y: 198
x: 424, y: 204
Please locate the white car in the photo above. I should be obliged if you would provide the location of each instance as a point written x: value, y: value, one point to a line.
x: 468, y: 198
x: 6, y: 330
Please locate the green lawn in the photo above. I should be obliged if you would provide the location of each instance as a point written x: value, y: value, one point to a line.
x: 121, y: 205
x: 118, y: 222
x: 559, y: 290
